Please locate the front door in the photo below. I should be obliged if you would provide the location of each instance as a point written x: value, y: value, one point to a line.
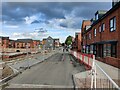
x: 100, y: 50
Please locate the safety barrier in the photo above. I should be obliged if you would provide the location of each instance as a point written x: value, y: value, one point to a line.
x: 83, y: 58
x: 95, y: 77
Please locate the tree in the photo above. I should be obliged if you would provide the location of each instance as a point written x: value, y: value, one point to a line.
x: 68, y: 40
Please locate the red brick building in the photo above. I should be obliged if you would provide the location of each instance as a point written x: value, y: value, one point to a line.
x: 73, y: 43
x: 11, y: 43
x: 21, y: 43
x: 85, y: 25
x: 79, y: 42
x: 4, y: 42
x: 36, y: 43
x: 102, y: 38
x: 44, y: 41
x: 76, y: 42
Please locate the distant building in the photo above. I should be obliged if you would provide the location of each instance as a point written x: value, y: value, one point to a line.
x: 56, y: 43
x: 22, y: 43
x: 4, y: 42
x: 51, y: 43
x: 11, y: 43
x: 44, y: 41
x: 79, y: 47
x: 84, y: 29
x: 73, y: 46
x: 36, y: 43
x: 76, y: 42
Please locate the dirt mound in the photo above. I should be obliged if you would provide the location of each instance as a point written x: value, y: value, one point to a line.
x: 6, y: 71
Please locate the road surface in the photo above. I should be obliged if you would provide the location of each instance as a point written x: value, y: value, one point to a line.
x: 29, y: 61
x: 56, y: 70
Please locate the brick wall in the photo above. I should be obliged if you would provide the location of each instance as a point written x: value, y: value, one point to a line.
x: 113, y: 61
x: 106, y: 34
x: 79, y: 42
x: 118, y: 46
x: 5, y: 42
x: 110, y: 60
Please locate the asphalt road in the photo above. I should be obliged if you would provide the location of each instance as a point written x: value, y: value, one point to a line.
x: 56, y: 70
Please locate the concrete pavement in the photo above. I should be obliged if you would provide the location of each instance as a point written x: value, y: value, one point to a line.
x: 53, y: 71
x: 18, y: 65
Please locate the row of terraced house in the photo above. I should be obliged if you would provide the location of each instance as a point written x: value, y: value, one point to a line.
x: 49, y: 42
x: 101, y: 35
x: 5, y: 42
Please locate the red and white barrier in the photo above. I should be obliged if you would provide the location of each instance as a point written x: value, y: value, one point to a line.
x: 83, y: 58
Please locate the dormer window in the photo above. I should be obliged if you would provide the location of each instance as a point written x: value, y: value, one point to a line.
x: 87, y: 27
x: 99, y: 14
x: 92, y: 20
x: 96, y: 16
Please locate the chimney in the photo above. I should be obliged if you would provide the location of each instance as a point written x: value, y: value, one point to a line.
x: 114, y: 2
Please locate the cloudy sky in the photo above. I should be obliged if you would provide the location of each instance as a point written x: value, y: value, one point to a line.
x: 60, y: 19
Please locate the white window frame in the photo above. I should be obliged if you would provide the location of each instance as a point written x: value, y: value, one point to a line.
x: 103, y: 27
x: 112, y: 24
x: 99, y: 28
x: 95, y: 32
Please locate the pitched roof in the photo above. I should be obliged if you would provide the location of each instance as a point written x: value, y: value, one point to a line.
x: 56, y: 39
x: 44, y: 38
x: 50, y: 37
x: 3, y: 37
x: 24, y: 40
x: 37, y: 40
x: 105, y: 15
x: 86, y: 23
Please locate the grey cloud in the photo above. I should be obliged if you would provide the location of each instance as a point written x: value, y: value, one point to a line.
x: 89, y: 9
x: 63, y: 25
x: 35, y: 22
x: 39, y: 21
x: 14, y: 12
